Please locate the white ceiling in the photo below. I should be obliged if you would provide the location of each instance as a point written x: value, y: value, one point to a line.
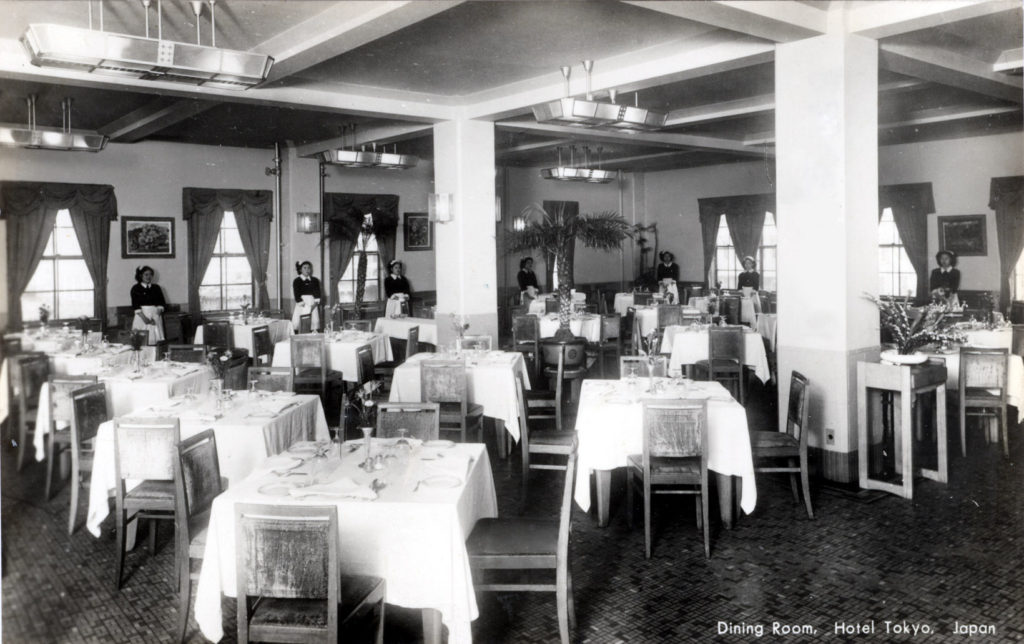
x: 396, y: 67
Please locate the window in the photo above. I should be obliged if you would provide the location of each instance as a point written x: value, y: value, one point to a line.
x: 228, y: 279
x: 61, y: 282
x: 727, y: 267
x: 366, y: 246
x: 896, y: 276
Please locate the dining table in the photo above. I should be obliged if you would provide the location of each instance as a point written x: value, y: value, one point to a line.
x: 586, y: 325
x: 241, y: 331
x: 538, y: 305
x: 399, y: 328
x: 248, y: 426
x: 410, y: 527
x: 342, y: 349
x: 645, y: 317
x: 688, y: 344
x: 609, y: 426
x: 750, y: 306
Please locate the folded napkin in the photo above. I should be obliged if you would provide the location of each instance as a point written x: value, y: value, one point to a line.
x: 343, y: 487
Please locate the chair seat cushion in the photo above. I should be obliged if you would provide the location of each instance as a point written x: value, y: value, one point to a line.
x: 667, y: 465
x: 513, y: 536
x: 313, y: 612
x: 163, y: 490
x: 983, y: 395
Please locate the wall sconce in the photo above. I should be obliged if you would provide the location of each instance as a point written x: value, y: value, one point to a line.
x: 307, y: 222
x: 518, y: 224
x: 497, y: 209
x: 440, y: 207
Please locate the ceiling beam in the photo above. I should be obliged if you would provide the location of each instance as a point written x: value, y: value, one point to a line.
x: 340, y: 28
x: 656, y: 139
x: 890, y: 18
x: 379, y: 134
x: 718, y: 111
x: 151, y: 118
x: 948, y: 68
x: 781, y: 21
x: 529, y: 147
x: 1009, y: 61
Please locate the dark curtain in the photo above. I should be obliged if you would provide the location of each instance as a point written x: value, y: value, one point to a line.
x: 1006, y: 197
x: 203, y: 209
x: 571, y: 209
x: 31, y: 209
x: 744, y: 216
x: 911, y: 204
x: 344, y: 214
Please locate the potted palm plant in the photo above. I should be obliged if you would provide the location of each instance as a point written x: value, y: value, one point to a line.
x: 555, y: 233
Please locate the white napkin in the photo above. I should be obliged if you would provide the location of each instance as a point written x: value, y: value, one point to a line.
x: 343, y: 487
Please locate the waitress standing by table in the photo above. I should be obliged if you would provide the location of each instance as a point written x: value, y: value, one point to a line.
x: 148, y: 302
x: 305, y: 287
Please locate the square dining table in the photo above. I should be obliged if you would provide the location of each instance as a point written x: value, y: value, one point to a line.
x: 687, y: 345
x: 241, y: 333
x: 399, y: 328
x: 610, y: 429
x: 248, y: 428
x: 412, y: 532
x: 587, y: 325
x: 341, y: 351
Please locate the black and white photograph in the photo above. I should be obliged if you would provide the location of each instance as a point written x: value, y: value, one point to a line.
x: 510, y: 322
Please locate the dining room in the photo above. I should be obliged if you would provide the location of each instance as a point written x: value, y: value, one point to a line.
x: 624, y: 252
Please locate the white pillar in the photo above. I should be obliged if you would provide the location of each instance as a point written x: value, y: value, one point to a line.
x: 465, y: 250
x: 826, y: 132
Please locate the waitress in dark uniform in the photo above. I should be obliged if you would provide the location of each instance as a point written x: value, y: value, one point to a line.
x: 148, y: 302
x: 306, y: 290
x: 667, y: 269
x: 749, y: 277
x: 396, y: 283
x: 944, y: 282
x: 528, y: 285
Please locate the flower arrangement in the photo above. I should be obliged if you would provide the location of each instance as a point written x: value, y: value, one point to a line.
x: 44, y: 313
x: 245, y: 310
x: 934, y: 325
x: 459, y: 324
x: 361, y: 405
x: 218, y: 360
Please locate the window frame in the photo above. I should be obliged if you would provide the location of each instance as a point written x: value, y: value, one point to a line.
x: 363, y: 245
x: 901, y: 259
x: 54, y: 259
x: 221, y: 258
x: 735, y: 265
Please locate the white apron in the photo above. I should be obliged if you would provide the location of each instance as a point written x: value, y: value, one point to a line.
x: 156, y: 330
x: 302, y: 308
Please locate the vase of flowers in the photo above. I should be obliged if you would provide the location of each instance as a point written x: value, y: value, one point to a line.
x: 44, y: 314
x: 360, y: 406
x: 909, y: 333
x: 459, y: 326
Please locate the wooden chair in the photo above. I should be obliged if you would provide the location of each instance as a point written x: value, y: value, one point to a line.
x: 235, y: 372
x: 11, y: 347
x: 365, y: 369
x: 526, y: 340
x: 271, y: 378
x: 531, y: 442
x: 520, y: 543
x: 446, y: 382
x: 262, y: 346
x: 195, y: 353
x: 983, y: 378
x: 144, y: 450
x: 642, y: 299
x: 551, y: 304
x: 386, y: 370
x: 61, y: 414
x: 309, y: 361
x: 675, y: 454
x: 422, y: 420
x: 640, y: 367
x: 217, y: 334
x: 473, y: 343
x: 1017, y: 340
x: 789, y: 445
x: 90, y: 408
x: 359, y: 325
x: 562, y: 362
x: 730, y: 309
x: 669, y: 314
x: 611, y: 339
x: 306, y: 323
x: 726, y: 355
x: 28, y: 377
x: 197, y: 483
x: 174, y: 327
x: 289, y: 581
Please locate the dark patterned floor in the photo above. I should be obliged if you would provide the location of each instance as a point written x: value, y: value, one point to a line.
x: 953, y: 554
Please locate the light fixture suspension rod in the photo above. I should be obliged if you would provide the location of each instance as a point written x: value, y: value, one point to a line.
x: 566, y: 72
x: 588, y: 66
x: 213, y: 23
x: 197, y: 11
x: 101, y: 15
x: 323, y: 196
x: 159, y: 21
x: 90, y: 15
x: 145, y: 9
x: 277, y: 215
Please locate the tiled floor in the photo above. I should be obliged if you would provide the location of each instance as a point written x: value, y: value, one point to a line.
x: 953, y: 554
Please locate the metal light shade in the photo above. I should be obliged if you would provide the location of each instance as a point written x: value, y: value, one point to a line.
x: 11, y: 137
x: 590, y: 113
x: 364, y: 159
x: 589, y: 175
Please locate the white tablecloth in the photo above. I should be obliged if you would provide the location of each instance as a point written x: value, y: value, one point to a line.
x: 997, y: 338
x: 416, y: 540
x: 587, y: 326
x: 622, y: 302
x: 610, y: 429
x: 750, y: 307
x: 399, y: 328
x: 686, y: 346
x: 491, y: 383
x: 538, y: 306
x: 128, y: 391
x: 242, y: 441
x: 767, y: 324
x: 242, y: 333
x: 341, y: 352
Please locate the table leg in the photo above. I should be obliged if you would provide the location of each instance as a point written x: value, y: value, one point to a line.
x: 431, y: 625
x: 725, y: 496
x: 603, y: 479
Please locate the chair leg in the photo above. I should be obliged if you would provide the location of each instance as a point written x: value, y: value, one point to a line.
x: 792, y: 480
x: 805, y: 482
x: 561, y: 598
x: 184, y: 596
x: 647, y: 519
x: 380, y: 623
x: 50, y: 455
x: 22, y: 442
x: 558, y: 405
x: 75, y: 486
x: 152, y: 537
x: 1006, y: 435
x: 704, y: 512
x: 700, y: 517
x: 629, y: 497
x: 121, y: 528
x: 571, y: 601
x: 963, y: 429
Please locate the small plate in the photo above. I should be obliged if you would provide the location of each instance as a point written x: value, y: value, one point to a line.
x: 442, y: 480
x: 439, y: 444
x: 276, y: 489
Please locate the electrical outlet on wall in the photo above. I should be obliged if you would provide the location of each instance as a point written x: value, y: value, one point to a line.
x: 830, y: 437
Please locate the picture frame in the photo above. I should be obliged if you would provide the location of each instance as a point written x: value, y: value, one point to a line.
x: 965, y: 235
x: 418, y: 231
x: 147, y: 237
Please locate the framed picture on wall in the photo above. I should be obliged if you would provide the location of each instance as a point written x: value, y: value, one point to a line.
x: 419, y: 231
x: 963, y: 234
x: 147, y: 237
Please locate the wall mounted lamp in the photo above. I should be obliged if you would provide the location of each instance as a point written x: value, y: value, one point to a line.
x: 307, y: 222
x: 440, y: 207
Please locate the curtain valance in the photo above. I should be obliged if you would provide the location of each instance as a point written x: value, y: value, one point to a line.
x: 207, y: 201
x: 744, y: 215
x: 1006, y: 197
x: 25, y: 198
x: 344, y: 213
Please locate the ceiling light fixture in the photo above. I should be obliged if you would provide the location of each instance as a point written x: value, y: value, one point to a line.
x: 583, y: 173
x: 363, y: 158
x: 590, y: 113
x: 143, y: 57
x: 34, y: 138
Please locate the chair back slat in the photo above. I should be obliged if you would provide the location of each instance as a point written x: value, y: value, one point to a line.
x: 574, y: 353
x: 674, y: 428
x: 90, y: 410
x: 422, y: 420
x: 287, y: 552
x: 474, y: 343
x: 443, y: 381
x: 306, y: 323
x: 731, y: 309
x: 1017, y: 340
x: 796, y: 415
x: 984, y: 368
x: 308, y: 351
x: 187, y: 353
x: 271, y: 378
x: 358, y: 325
x: 235, y: 373
x: 174, y: 328
x: 197, y: 477
x: 60, y: 395
x: 261, y: 344
x: 726, y: 343
x: 364, y: 364
x: 217, y: 333
x: 669, y: 314
x: 145, y: 449
x: 412, y: 344
x: 525, y: 329
x: 31, y: 376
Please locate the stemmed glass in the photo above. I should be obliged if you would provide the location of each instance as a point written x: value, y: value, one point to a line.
x: 368, y: 463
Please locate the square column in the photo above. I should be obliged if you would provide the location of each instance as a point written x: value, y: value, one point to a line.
x: 465, y: 248
x: 826, y: 132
